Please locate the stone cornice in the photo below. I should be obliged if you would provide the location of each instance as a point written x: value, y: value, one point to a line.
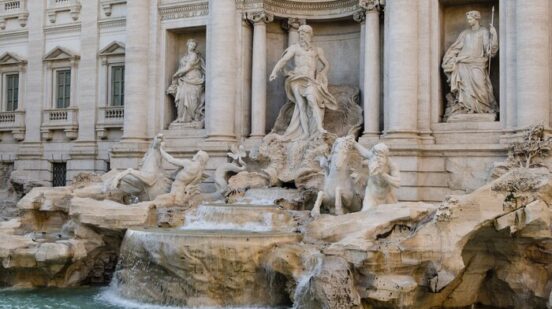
x: 63, y: 28
x: 302, y: 9
x: 113, y: 22
x: 170, y: 9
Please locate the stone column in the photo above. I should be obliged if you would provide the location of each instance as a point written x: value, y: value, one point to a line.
x: 402, y: 68
x: 34, y: 97
x: 221, y: 70
x: 372, y: 61
x: 533, y: 63
x: 259, y: 80
x: 292, y: 26
x: 136, y: 71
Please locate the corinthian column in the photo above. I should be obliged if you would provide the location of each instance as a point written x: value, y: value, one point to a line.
x: 371, y: 81
x: 258, y: 83
x: 221, y: 70
x: 401, y: 101
x: 136, y: 71
x: 533, y: 64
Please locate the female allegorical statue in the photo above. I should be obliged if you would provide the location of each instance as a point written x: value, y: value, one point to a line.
x: 466, y: 65
x: 188, y: 87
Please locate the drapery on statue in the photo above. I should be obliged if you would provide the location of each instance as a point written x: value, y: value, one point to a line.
x: 466, y: 65
x: 306, y: 86
x: 188, y: 87
x: 383, y: 177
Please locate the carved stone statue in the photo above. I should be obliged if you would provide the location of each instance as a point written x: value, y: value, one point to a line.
x: 466, y: 65
x: 383, y: 177
x: 149, y: 180
x: 340, y: 189
x: 306, y: 86
x: 188, y: 177
x: 188, y: 88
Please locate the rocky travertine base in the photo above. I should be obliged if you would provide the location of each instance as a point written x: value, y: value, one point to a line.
x: 492, y: 247
x: 200, y: 268
x: 67, y: 236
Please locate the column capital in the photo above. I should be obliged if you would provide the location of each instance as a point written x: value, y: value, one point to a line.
x: 370, y: 6
x: 359, y: 16
x: 259, y: 17
x: 295, y: 23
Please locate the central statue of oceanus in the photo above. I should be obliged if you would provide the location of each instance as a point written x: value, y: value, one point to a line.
x: 306, y: 86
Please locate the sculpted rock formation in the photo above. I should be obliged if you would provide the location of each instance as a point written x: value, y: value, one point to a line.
x: 491, y: 247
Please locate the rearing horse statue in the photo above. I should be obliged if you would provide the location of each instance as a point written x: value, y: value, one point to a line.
x: 341, y: 191
x: 149, y: 180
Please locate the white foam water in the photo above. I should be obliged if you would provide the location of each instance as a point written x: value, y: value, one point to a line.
x: 220, y: 218
x: 109, y: 296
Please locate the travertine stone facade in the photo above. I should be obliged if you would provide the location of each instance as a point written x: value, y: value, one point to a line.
x: 73, y: 58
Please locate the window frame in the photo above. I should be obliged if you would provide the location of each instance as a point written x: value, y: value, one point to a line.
x: 55, y: 85
x: 5, y: 89
x: 110, y: 94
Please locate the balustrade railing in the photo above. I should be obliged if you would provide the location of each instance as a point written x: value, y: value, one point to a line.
x: 114, y: 112
x: 7, y: 117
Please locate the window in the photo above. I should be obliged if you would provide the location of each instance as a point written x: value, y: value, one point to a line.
x: 12, y: 92
x: 59, y: 173
x: 63, y: 88
x: 117, y: 85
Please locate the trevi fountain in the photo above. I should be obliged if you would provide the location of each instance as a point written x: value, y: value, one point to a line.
x: 276, y: 154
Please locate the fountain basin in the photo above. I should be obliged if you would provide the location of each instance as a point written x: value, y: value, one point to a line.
x: 200, y: 267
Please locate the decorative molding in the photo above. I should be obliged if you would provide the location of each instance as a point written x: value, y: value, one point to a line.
x: 371, y: 5
x: 9, y: 58
x: 61, y: 54
x: 107, y: 5
x: 64, y: 28
x: 116, y: 22
x: 302, y: 9
x: 259, y: 16
x: 169, y: 10
x: 11, y: 9
x: 14, y: 35
x: 359, y: 16
x: 57, y: 6
x: 114, y: 48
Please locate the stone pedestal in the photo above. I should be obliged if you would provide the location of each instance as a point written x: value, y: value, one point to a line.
x: 472, y: 118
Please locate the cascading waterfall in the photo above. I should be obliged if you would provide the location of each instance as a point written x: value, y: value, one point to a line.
x: 313, y: 265
x: 214, y: 259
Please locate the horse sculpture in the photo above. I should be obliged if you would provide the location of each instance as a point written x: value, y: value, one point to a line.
x: 341, y: 191
x: 150, y: 180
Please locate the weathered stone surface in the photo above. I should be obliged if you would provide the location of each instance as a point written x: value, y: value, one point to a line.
x: 112, y: 215
x: 47, y: 199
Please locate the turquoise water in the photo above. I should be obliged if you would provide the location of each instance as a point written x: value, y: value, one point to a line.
x: 74, y: 298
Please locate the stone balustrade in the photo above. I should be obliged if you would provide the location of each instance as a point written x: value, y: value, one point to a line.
x: 13, y: 9
x: 13, y: 122
x: 110, y: 117
x: 65, y: 119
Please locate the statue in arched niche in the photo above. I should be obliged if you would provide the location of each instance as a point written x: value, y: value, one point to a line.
x: 188, y: 88
x: 466, y: 65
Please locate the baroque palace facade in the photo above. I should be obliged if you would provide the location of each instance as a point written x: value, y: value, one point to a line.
x: 84, y: 84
